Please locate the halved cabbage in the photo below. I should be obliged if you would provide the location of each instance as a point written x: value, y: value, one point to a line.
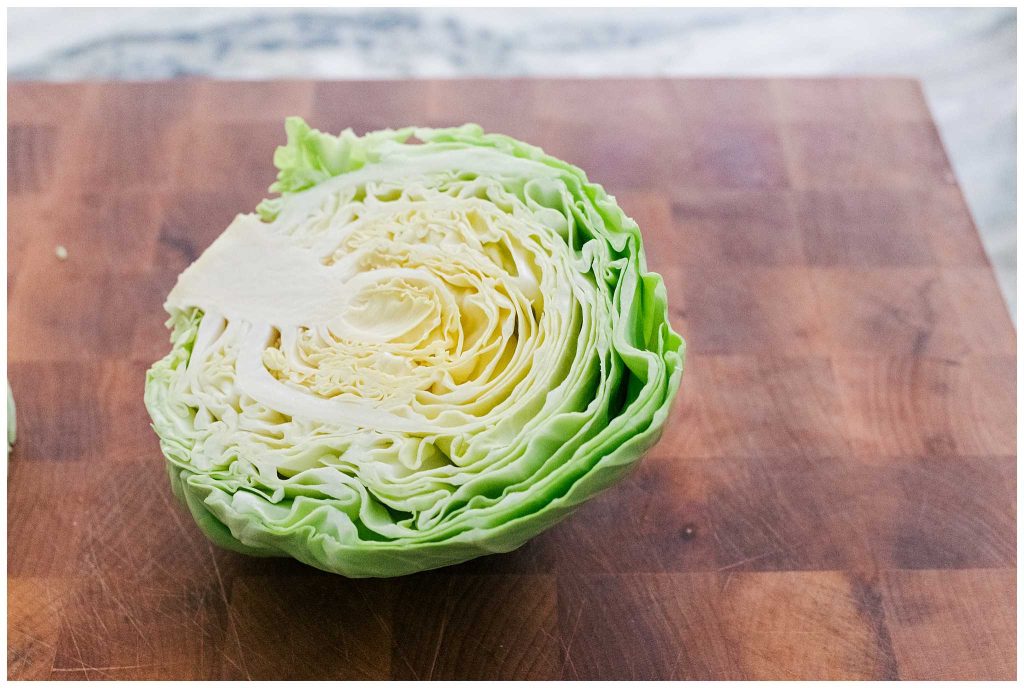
x: 419, y: 353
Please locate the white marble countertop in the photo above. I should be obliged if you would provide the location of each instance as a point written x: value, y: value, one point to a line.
x: 966, y: 60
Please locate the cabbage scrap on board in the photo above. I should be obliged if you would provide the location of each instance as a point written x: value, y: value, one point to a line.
x: 432, y: 345
x: 12, y: 420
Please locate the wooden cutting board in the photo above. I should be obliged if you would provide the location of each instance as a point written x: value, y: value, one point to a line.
x: 834, y: 496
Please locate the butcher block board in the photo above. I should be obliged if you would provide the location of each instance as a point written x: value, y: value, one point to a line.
x: 834, y: 493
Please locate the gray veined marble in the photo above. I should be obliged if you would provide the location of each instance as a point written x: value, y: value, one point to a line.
x: 966, y: 59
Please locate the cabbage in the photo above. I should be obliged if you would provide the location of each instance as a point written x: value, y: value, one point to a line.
x: 420, y: 352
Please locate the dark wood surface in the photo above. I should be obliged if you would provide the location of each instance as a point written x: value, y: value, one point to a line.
x: 834, y: 495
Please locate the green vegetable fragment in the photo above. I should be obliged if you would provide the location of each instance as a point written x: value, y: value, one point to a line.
x: 12, y: 420
x: 419, y: 353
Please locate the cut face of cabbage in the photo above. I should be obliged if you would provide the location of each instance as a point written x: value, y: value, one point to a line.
x: 417, y: 354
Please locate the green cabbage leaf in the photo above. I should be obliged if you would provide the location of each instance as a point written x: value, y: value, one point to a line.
x: 432, y: 345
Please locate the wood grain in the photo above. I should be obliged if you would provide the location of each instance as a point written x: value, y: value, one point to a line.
x: 833, y: 497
